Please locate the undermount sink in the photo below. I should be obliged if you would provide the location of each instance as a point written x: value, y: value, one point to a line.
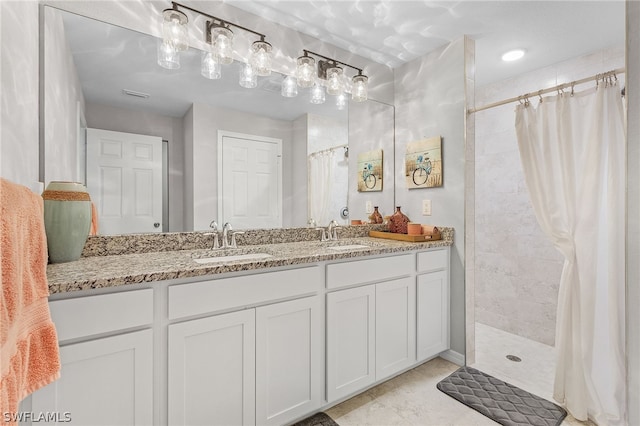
x: 233, y: 258
x: 349, y: 247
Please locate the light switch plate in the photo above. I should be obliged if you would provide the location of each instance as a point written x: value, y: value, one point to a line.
x: 426, y: 207
x: 369, y: 207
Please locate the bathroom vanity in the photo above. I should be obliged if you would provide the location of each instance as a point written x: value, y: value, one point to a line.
x: 263, y: 340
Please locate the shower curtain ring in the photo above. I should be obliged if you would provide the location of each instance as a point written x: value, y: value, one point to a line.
x: 573, y: 84
x: 540, y: 95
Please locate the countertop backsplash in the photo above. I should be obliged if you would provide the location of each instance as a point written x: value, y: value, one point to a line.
x: 109, y: 245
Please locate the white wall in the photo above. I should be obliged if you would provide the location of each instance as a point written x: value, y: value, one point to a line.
x: 633, y: 211
x: 62, y: 104
x: 430, y: 101
x: 371, y: 127
x: 203, y: 174
x: 299, y: 205
x: 19, y: 146
x: 517, y: 271
x: 144, y: 123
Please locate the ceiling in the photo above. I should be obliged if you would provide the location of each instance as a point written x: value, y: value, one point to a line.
x: 393, y: 32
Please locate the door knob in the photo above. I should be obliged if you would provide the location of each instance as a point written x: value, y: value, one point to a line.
x: 156, y: 225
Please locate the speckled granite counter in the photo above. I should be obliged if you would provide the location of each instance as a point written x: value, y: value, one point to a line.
x: 116, y: 270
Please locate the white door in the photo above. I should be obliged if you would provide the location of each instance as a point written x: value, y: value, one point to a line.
x: 350, y: 341
x: 106, y: 381
x: 433, y: 314
x: 212, y: 370
x: 124, y: 179
x: 288, y: 351
x: 249, y: 181
x: 395, y: 326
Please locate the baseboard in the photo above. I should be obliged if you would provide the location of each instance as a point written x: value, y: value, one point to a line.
x: 453, y: 356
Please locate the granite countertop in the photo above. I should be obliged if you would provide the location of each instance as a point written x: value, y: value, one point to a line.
x: 117, y: 270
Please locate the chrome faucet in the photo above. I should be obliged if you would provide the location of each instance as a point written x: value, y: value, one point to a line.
x: 331, y: 230
x: 225, y: 235
x: 228, y: 232
x: 214, y: 225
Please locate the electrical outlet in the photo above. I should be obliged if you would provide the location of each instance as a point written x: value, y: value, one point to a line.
x: 426, y: 207
x: 369, y: 207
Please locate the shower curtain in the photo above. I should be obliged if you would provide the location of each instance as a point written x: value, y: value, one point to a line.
x: 572, y: 150
x: 321, y: 170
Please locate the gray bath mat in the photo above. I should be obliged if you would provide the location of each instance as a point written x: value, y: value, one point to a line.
x: 500, y: 401
x: 318, y: 419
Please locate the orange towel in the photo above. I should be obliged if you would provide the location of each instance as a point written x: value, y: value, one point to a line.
x: 29, y: 355
x: 94, y: 220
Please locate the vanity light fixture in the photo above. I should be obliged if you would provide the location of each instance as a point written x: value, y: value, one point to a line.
x: 330, y: 71
x: 218, y: 34
x: 248, y: 77
x: 306, y: 70
x: 513, y: 55
x: 210, y: 65
x: 289, y: 87
x: 317, y: 94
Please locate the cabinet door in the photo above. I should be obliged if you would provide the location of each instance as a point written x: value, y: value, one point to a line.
x: 212, y: 370
x: 433, y: 314
x: 350, y: 341
x: 288, y: 351
x: 395, y: 326
x: 107, y: 381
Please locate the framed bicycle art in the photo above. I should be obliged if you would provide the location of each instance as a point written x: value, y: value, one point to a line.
x: 423, y: 163
x: 370, y: 171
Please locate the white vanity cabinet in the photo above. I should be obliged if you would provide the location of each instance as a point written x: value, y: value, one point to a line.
x: 106, y: 378
x: 371, y: 327
x: 433, y: 303
x: 260, y: 364
x: 211, y: 370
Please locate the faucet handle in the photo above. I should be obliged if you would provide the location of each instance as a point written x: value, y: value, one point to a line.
x: 233, y: 238
x: 323, y: 234
x: 214, y: 225
x: 216, y: 244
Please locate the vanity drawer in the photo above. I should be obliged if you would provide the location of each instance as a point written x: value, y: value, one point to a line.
x: 237, y: 292
x: 369, y: 270
x: 433, y: 260
x: 90, y: 315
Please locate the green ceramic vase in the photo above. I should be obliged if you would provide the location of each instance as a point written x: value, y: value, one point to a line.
x: 67, y: 220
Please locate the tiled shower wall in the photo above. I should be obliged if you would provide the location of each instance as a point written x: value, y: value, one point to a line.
x: 517, y: 270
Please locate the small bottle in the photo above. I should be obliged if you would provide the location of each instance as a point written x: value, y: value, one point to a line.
x: 375, y: 217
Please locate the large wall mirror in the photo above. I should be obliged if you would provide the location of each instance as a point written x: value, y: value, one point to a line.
x: 107, y: 106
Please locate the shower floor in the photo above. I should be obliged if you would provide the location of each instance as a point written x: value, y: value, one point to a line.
x: 534, y: 373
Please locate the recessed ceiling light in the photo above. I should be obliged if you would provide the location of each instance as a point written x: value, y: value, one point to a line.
x: 513, y: 55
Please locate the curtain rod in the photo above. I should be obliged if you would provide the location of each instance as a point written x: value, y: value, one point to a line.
x: 551, y: 89
x: 333, y: 148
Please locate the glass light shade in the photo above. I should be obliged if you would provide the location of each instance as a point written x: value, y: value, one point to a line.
x: 174, y: 29
x: 222, y: 41
x: 248, y: 77
x: 341, y: 101
x: 359, y: 90
x: 317, y: 94
x: 306, y: 71
x: 168, y: 56
x: 210, y: 66
x: 334, y: 83
x: 261, y: 58
x: 289, y: 87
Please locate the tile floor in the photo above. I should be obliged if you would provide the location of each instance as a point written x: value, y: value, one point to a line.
x: 413, y: 399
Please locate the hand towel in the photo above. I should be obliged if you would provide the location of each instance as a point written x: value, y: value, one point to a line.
x: 29, y: 354
x: 94, y: 220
